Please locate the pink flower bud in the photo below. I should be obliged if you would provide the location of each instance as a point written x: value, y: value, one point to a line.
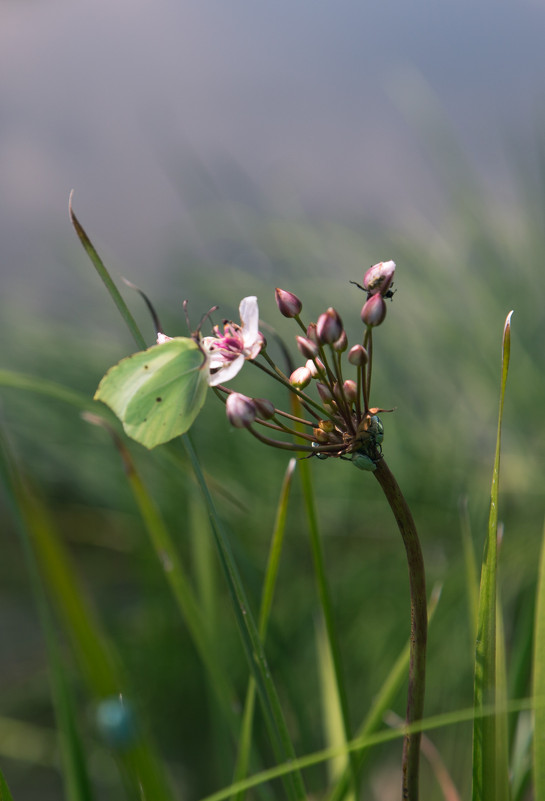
x: 341, y: 344
x: 329, y: 327
x: 300, y: 378
x: 358, y: 356
x: 240, y: 410
x: 307, y: 347
x: 288, y: 303
x: 378, y: 278
x: 264, y: 408
x: 311, y: 332
x: 324, y: 392
x: 374, y: 311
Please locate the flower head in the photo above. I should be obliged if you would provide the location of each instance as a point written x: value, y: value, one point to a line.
x: 227, y: 352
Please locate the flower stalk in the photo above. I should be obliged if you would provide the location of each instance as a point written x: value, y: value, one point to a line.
x: 419, y: 626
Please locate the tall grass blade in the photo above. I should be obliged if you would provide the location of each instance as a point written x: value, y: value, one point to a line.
x: 327, y: 609
x: 503, y: 790
x: 251, y: 640
x: 485, y: 735
x: 140, y: 769
x: 269, y: 584
x: 332, y: 722
x: 539, y: 682
x: 74, y: 766
x: 470, y: 563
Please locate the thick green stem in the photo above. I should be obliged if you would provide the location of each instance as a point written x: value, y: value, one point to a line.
x: 419, y: 627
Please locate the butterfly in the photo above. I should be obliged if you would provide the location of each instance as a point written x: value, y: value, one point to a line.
x: 157, y: 393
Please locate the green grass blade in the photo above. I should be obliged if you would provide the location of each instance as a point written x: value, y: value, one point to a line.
x: 269, y: 584
x: 176, y: 577
x: 5, y: 794
x: 332, y: 722
x: 42, y: 386
x: 470, y: 562
x: 74, y: 767
x: 142, y: 773
x: 327, y: 607
x: 106, y: 278
x: 251, y: 640
x: 381, y: 704
x: 539, y: 682
x: 485, y: 742
x: 503, y: 790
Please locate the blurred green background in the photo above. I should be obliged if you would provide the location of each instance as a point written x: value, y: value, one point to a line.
x: 465, y: 225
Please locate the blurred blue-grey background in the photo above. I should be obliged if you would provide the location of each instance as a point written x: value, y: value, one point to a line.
x: 150, y: 111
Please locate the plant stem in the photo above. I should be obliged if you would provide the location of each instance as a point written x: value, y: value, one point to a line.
x: 419, y: 627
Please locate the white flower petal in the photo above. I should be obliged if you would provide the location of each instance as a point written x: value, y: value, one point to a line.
x: 249, y: 317
x: 226, y: 372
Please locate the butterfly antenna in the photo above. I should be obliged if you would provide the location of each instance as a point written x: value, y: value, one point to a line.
x: 203, y: 318
x: 156, y: 322
x: 208, y: 314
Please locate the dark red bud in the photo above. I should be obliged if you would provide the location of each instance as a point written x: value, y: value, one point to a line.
x: 288, y: 303
x: 329, y: 327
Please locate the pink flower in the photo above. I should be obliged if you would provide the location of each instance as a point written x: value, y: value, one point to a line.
x: 227, y: 352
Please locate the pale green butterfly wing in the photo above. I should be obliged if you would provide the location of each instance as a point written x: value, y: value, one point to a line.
x: 157, y: 393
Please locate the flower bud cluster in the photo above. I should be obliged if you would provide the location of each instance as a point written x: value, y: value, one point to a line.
x: 334, y: 420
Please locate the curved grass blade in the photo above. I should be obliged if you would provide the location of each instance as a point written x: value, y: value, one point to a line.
x: 485, y: 736
x: 42, y: 386
x: 74, y: 766
x: 106, y: 278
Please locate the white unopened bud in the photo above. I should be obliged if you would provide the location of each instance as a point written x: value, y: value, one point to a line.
x: 300, y: 378
x: 316, y: 367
